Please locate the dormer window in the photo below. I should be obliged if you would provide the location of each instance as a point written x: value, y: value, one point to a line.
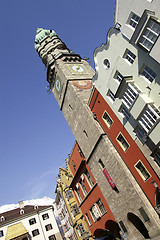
x: 21, y: 211
x: 2, y: 218
x: 35, y: 206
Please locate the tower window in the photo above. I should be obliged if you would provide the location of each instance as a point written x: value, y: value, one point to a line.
x: 150, y: 35
x: 122, y: 142
x: 143, y: 172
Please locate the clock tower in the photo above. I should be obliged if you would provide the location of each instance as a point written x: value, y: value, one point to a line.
x: 69, y: 78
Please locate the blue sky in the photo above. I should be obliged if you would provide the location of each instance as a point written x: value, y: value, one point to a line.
x: 34, y: 136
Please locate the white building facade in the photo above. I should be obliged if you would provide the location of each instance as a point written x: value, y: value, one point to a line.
x: 29, y: 222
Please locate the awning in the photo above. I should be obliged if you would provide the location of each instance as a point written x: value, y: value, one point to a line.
x: 15, y: 231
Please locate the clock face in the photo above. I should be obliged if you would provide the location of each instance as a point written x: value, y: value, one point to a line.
x: 77, y: 68
x: 58, y: 85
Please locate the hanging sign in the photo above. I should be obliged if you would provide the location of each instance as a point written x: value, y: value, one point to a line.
x: 109, y: 179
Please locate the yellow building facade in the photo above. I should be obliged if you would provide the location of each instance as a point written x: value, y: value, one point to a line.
x: 79, y: 224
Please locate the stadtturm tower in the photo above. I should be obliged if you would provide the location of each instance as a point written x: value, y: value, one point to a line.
x: 69, y: 78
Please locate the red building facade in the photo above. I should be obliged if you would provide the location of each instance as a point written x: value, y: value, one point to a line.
x: 91, y: 200
x: 126, y: 147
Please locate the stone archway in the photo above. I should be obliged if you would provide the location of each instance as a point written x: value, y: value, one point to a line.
x: 139, y: 225
x: 113, y: 228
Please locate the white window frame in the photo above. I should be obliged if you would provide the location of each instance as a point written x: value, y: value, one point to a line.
x: 124, y: 112
x: 141, y: 173
x: 108, y: 120
x: 80, y: 229
x: 146, y: 40
x: 88, y: 219
x: 149, y: 117
x: 111, y: 96
x: 83, y: 187
x: 122, y: 143
x: 101, y: 207
x: 129, y: 56
x: 148, y: 73
x: 118, y: 76
x: 129, y: 96
x: 133, y: 20
x: 89, y: 178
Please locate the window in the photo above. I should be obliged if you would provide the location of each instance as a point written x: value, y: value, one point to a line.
x: 129, y: 56
x: 142, y: 171
x: 156, y: 156
x: 78, y: 195
x: 101, y: 206
x: 118, y: 76
x: 88, y: 219
x: 69, y: 194
x: 111, y: 95
x: 80, y: 229
x: 94, y: 212
x: 130, y: 95
x: 89, y: 178
x: 32, y: 221
x: 124, y: 112
x: 83, y: 187
x: 2, y: 218
x: 122, y: 142
x: 21, y: 211
x: 148, y: 74
x: 107, y: 119
x: 141, y: 134
x: 74, y: 166
x: 74, y: 210
x: 48, y: 227
x: 35, y: 232
x: 101, y: 163
x: 52, y: 237
x: 1, y: 233
x: 149, y: 117
x: 150, y: 35
x: 133, y: 20
x: 106, y: 63
x: 66, y: 228
x: 45, y: 216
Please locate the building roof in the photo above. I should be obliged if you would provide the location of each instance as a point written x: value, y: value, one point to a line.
x: 15, y: 214
x: 15, y: 231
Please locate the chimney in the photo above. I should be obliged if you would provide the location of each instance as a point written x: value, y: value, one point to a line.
x: 21, y: 204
